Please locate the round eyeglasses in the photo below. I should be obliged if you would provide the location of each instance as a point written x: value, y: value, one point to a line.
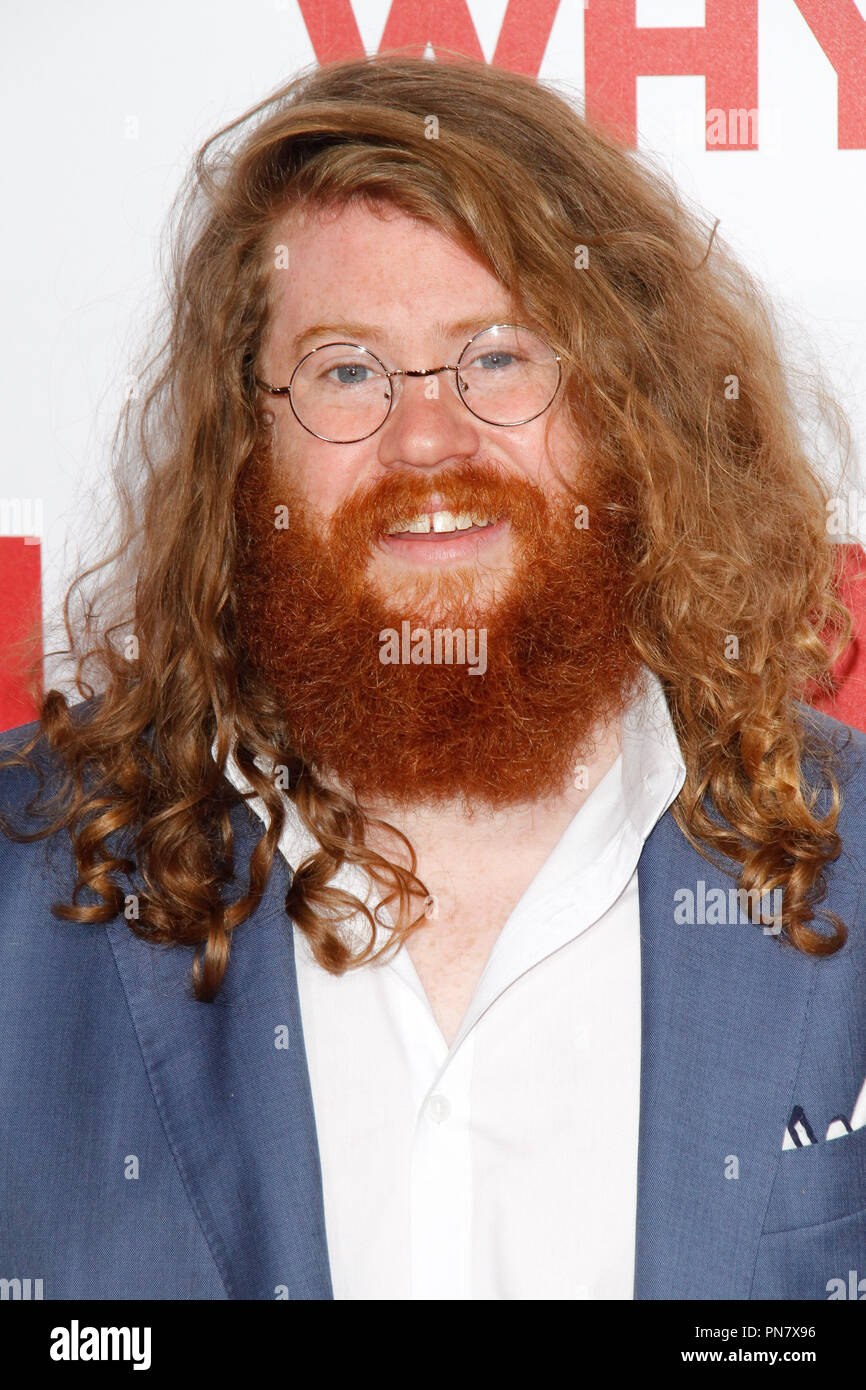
x: 342, y: 392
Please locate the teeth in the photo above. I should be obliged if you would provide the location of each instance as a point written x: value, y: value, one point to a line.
x: 440, y: 522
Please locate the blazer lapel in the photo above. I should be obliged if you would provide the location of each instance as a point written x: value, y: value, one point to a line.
x: 723, y: 1016
x: 231, y: 1084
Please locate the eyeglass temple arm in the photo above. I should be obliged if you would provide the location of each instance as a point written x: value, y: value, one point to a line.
x: 274, y: 390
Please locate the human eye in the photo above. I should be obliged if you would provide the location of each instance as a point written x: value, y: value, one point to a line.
x: 350, y: 373
x: 345, y: 372
x: 493, y: 361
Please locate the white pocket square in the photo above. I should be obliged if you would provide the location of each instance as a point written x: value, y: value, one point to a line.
x: 799, y: 1132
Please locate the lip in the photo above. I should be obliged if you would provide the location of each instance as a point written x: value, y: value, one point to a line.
x: 431, y: 549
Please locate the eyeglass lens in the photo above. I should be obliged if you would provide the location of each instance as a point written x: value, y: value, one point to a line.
x: 506, y: 376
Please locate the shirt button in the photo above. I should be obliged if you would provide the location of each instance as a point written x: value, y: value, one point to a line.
x: 439, y: 1108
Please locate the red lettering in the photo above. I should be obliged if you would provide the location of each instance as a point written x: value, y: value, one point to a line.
x: 444, y: 24
x: 20, y: 622
x: 332, y: 28
x: 840, y: 29
x: 724, y: 50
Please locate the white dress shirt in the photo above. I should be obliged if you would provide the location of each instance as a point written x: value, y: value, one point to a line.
x: 505, y: 1166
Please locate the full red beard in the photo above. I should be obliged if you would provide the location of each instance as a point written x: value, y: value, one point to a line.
x: 559, y: 661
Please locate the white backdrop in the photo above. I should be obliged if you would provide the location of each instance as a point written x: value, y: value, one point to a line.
x: 105, y: 101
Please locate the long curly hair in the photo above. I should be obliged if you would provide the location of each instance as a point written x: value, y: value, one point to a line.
x: 672, y: 366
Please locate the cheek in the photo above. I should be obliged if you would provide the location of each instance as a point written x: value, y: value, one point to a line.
x: 330, y: 481
x: 558, y: 455
x: 540, y: 458
x: 323, y: 477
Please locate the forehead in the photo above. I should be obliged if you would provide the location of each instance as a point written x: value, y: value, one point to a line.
x: 378, y: 267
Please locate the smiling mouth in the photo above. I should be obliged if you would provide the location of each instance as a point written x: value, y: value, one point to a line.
x: 441, y: 523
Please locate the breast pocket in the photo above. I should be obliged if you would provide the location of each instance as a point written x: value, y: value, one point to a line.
x: 821, y: 1182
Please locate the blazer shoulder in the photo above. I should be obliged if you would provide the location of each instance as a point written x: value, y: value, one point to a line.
x: 848, y: 746
x: 847, y: 743
x: 34, y: 773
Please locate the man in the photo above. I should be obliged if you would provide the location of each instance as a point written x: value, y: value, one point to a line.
x: 461, y: 561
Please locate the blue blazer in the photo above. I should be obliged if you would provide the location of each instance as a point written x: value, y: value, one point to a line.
x: 153, y: 1147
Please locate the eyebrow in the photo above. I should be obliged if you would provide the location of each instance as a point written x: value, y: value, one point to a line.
x: 371, y: 332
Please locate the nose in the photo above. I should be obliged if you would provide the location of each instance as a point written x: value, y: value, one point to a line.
x: 428, y: 425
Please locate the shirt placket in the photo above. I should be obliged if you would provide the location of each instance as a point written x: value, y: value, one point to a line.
x: 441, y: 1182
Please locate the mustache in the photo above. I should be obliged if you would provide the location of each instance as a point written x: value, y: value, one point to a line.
x: 464, y: 487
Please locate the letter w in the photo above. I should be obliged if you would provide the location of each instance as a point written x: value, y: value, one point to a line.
x: 445, y: 24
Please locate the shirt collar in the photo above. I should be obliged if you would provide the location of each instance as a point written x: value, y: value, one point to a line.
x: 653, y: 770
